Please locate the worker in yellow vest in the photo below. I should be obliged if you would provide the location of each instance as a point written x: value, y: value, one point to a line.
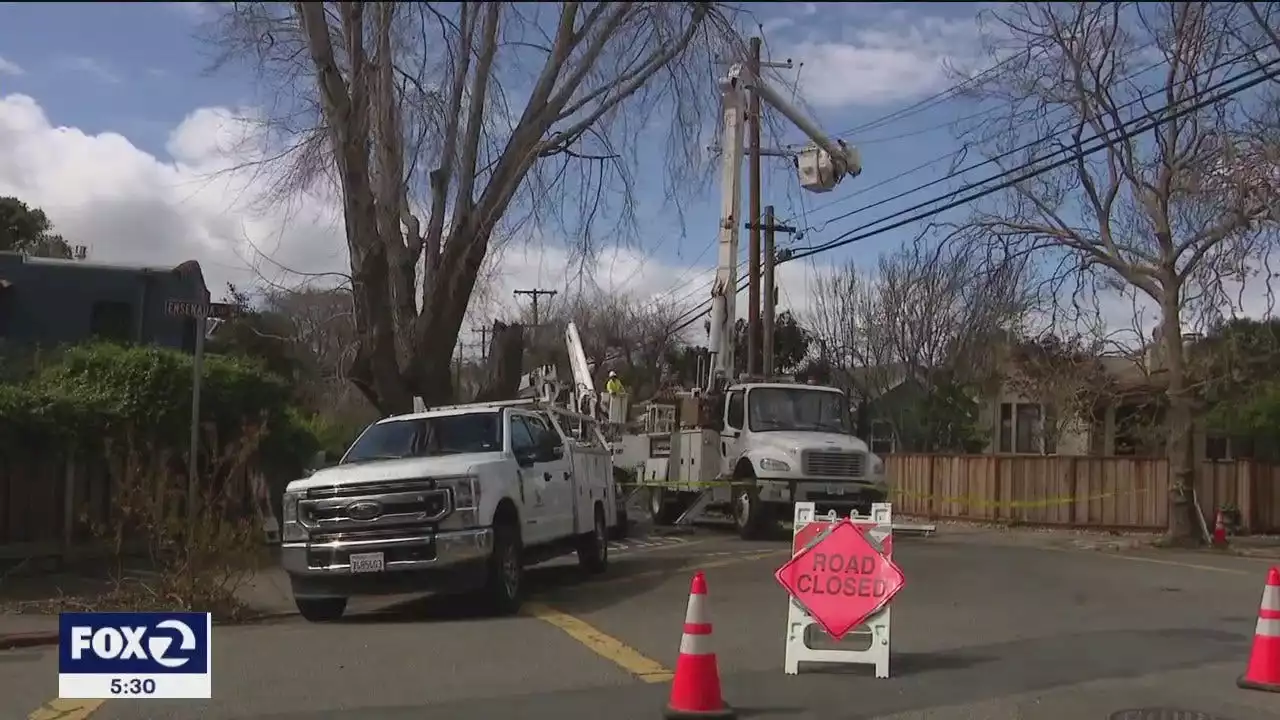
x: 614, y: 385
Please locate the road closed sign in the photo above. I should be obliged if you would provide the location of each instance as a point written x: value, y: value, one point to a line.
x: 841, y: 580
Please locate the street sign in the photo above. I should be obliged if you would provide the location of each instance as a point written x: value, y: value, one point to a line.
x: 187, y: 308
x: 841, y: 580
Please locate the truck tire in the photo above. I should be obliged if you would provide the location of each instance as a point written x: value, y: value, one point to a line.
x: 662, y: 509
x: 593, y: 547
x: 503, y: 589
x: 321, y: 609
x: 752, y: 518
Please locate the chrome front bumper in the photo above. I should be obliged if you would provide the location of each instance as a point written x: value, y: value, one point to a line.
x: 417, y: 552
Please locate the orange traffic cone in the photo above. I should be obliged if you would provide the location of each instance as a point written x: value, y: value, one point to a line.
x: 1219, y: 530
x: 695, y: 691
x: 1263, y: 672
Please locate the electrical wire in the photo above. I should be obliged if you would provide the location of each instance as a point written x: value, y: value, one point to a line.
x: 1075, y: 152
x: 1031, y: 169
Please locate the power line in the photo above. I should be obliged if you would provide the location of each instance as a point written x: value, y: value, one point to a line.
x: 1030, y: 167
x: 1076, y: 151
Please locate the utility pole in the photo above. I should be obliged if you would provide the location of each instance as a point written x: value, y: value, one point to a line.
x: 770, y: 287
x: 534, y: 295
x: 753, y: 246
x: 484, y: 342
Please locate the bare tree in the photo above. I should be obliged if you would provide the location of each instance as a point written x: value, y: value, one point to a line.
x: 1172, y: 213
x: 931, y: 314
x: 423, y: 117
x: 619, y: 332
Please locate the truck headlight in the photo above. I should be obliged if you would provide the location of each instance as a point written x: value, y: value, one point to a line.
x: 464, y: 495
x: 291, y: 529
x: 774, y: 465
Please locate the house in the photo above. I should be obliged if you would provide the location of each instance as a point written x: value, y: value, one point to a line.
x: 1104, y: 406
x: 47, y: 302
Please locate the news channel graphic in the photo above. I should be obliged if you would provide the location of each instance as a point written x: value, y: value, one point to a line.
x: 105, y: 656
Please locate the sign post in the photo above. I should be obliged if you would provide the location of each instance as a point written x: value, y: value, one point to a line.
x: 200, y: 312
x: 841, y: 578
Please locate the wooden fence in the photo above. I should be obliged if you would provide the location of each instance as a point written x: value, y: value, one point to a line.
x: 1077, y: 491
x: 52, y: 508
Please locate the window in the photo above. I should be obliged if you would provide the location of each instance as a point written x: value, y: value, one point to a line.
x: 522, y: 439
x: 737, y: 410
x: 1026, y: 428
x: 882, y: 439
x: 800, y: 409
x: 1215, y: 448
x: 439, y: 435
x: 110, y: 320
x: 1022, y: 429
x: 543, y: 433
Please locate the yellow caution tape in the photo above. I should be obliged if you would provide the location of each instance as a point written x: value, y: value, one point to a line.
x: 966, y: 501
x: 976, y: 502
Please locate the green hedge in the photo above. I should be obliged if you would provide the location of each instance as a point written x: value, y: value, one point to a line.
x: 107, y: 392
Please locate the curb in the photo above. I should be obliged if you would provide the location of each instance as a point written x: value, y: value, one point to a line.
x: 28, y: 640
x: 17, y: 641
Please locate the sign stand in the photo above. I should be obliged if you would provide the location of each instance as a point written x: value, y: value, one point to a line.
x: 807, y: 530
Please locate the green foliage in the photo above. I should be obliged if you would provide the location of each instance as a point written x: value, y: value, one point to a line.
x: 102, y: 392
x: 27, y: 230
x: 790, y: 343
x: 941, y: 417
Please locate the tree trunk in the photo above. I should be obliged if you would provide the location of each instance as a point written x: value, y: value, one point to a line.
x: 1184, y: 527
x: 505, y: 357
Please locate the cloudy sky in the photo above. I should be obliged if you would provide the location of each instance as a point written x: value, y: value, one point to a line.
x: 110, y: 121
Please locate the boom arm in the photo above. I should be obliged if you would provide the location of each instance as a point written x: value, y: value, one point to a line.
x: 840, y: 160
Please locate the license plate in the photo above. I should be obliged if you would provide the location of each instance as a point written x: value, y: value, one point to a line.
x: 367, y: 563
x: 835, y: 490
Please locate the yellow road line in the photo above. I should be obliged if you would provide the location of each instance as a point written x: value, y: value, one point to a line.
x: 66, y: 710
x: 602, y: 644
x: 613, y: 649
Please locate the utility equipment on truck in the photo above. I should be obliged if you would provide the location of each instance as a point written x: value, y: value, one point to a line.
x: 756, y: 447
x: 457, y: 498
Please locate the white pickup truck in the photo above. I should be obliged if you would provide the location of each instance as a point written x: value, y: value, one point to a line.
x: 454, y: 499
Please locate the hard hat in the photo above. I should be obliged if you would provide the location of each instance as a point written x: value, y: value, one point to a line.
x: 613, y: 374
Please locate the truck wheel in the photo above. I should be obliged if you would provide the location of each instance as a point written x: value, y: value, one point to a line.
x: 321, y: 609
x: 661, y: 509
x: 503, y: 589
x: 593, y: 547
x: 751, y: 517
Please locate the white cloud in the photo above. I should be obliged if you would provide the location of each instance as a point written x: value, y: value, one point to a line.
x: 899, y: 57
x: 9, y: 67
x: 131, y: 207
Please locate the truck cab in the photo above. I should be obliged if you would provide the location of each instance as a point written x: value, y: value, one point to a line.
x: 452, y: 499
x: 783, y: 443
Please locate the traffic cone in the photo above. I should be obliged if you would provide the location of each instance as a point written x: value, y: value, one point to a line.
x: 1263, y: 672
x: 695, y: 690
x: 1219, y: 530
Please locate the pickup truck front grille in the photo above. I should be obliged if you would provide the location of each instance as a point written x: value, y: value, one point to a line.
x: 833, y: 463
x: 361, y: 509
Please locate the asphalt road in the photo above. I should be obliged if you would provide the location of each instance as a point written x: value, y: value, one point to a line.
x: 984, y: 630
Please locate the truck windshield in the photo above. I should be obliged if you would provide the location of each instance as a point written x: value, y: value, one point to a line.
x: 421, y: 437
x: 797, y: 409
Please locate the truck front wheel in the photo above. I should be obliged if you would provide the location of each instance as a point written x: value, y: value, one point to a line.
x: 752, y: 517
x: 503, y: 589
x: 321, y: 609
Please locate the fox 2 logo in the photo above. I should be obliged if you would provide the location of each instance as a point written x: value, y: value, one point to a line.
x: 133, y: 643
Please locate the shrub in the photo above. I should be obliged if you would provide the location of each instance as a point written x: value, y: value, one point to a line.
x: 129, y: 409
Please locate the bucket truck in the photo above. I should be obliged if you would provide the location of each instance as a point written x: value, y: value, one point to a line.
x: 755, y: 446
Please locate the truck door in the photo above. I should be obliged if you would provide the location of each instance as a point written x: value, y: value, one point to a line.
x: 732, y: 436
x: 556, y: 470
x: 533, y: 511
